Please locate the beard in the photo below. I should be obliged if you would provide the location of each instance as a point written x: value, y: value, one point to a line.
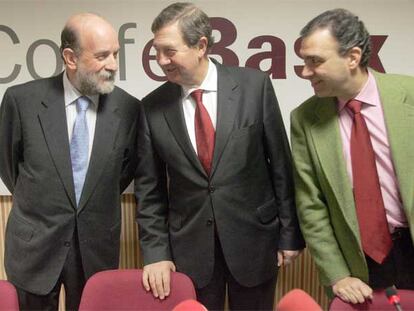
x: 95, y: 83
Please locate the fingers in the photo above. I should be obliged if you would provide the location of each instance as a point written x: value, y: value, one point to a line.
x: 166, y: 283
x: 145, y: 280
x: 352, y: 290
x: 279, y: 259
x: 286, y: 257
x: 367, y: 291
x: 156, y: 277
x: 157, y: 285
x: 352, y: 296
x: 287, y: 260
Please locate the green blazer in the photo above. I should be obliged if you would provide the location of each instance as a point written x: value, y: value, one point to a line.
x: 324, y: 195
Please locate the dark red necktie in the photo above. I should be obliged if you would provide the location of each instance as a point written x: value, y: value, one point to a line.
x: 373, y: 227
x: 204, y: 132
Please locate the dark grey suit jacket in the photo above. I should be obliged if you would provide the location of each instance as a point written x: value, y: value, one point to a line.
x: 35, y: 166
x: 249, y: 197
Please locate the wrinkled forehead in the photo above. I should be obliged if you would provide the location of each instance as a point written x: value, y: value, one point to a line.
x: 99, y: 38
x: 168, y: 36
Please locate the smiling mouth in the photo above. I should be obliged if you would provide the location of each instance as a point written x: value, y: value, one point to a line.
x: 169, y: 70
x: 316, y: 83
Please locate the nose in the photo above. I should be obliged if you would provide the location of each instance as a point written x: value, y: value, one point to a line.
x: 162, y: 59
x: 112, y: 63
x: 306, y: 72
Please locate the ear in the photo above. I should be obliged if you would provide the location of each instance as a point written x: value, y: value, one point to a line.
x: 70, y: 58
x: 202, y: 46
x: 354, y: 56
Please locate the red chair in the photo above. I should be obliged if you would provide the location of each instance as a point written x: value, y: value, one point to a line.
x: 297, y: 300
x: 189, y: 305
x: 379, y: 302
x: 8, y: 297
x: 123, y: 290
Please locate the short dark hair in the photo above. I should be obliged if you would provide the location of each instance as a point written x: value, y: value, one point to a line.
x: 69, y: 38
x: 193, y: 22
x: 346, y: 28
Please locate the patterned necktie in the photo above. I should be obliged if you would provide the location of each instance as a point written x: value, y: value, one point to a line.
x: 373, y: 227
x: 79, y: 146
x: 204, y: 132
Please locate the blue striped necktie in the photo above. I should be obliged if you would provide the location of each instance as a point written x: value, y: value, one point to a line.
x: 79, y: 146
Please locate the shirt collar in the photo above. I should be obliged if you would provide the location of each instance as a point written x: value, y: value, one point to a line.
x: 72, y: 94
x: 366, y: 95
x: 209, y: 83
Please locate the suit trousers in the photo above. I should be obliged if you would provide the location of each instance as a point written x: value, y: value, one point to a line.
x: 398, y: 267
x: 72, y: 277
x: 212, y: 296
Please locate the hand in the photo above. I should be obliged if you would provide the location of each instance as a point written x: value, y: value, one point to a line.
x: 352, y: 290
x: 285, y: 257
x: 156, y: 277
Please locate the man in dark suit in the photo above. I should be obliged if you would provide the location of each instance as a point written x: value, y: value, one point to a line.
x: 63, y: 228
x: 214, y: 185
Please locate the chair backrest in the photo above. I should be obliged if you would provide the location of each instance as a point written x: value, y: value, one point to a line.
x: 297, y: 300
x: 123, y: 290
x: 189, y: 305
x: 8, y: 297
x: 379, y: 302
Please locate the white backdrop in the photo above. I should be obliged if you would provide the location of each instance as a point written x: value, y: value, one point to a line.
x: 30, y: 32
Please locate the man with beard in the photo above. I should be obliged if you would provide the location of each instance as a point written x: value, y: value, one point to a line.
x: 68, y: 149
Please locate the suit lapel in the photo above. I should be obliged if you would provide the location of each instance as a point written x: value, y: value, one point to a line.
x: 227, y: 99
x: 399, y: 120
x: 175, y: 119
x: 53, y: 121
x: 107, y: 124
x: 326, y: 136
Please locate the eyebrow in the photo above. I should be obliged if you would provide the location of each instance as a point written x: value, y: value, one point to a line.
x: 162, y: 46
x: 103, y: 52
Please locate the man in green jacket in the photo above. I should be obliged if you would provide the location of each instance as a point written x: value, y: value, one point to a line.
x: 356, y: 220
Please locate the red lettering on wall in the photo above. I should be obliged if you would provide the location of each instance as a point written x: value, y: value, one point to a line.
x: 228, y: 34
x: 146, y: 59
x: 276, y: 55
x: 374, y: 61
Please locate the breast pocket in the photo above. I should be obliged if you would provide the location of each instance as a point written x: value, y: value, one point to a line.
x: 241, y: 132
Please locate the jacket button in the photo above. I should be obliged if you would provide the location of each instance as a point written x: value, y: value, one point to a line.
x: 211, y: 189
x: 209, y: 222
x: 66, y: 243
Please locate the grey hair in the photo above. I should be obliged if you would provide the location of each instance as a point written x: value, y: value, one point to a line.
x: 192, y: 21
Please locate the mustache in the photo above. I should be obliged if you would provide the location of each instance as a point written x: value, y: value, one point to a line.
x: 107, y: 75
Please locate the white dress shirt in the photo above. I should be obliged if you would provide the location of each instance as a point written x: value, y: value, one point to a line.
x: 209, y: 87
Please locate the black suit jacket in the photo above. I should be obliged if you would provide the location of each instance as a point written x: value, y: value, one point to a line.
x: 248, y: 197
x: 35, y: 166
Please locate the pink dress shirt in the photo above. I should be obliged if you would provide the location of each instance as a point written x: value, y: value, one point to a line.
x: 374, y: 118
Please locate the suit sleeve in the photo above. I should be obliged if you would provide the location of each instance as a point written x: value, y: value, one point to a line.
x: 280, y: 161
x: 129, y: 164
x: 10, y: 141
x: 152, y: 199
x: 313, y: 212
